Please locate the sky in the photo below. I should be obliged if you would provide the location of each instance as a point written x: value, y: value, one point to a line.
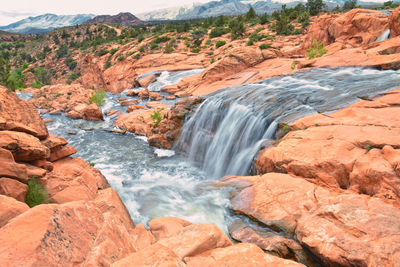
x: 14, y: 10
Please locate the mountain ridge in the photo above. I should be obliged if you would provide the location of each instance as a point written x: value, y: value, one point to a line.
x: 45, y: 23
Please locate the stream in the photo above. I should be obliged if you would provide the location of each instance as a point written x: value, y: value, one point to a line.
x: 222, y: 137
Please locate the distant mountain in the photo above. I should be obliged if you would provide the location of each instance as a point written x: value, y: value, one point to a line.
x: 126, y: 19
x: 45, y: 23
x: 232, y: 7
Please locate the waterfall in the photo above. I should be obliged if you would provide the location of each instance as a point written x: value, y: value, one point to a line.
x: 231, y: 125
x: 384, y: 36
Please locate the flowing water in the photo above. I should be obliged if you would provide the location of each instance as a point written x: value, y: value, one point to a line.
x: 232, y: 124
x: 384, y: 36
x: 221, y: 138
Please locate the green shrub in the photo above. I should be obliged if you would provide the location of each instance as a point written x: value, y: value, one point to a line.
x: 71, y: 64
x: 220, y: 43
x: 98, y: 98
x: 218, y: 31
x: 265, y: 46
x: 195, y: 50
x: 36, y: 194
x: 156, y: 117
x: 316, y: 49
x: 62, y: 51
x: 293, y: 66
x: 162, y: 39
x: 101, y: 52
x: 113, y: 51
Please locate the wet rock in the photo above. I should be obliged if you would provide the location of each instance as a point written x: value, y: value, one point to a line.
x: 128, y: 102
x: 138, y: 122
x: 238, y: 255
x: 157, y: 105
x: 86, y: 112
x: 23, y: 146
x: 171, y: 97
x: 344, y: 229
x: 19, y: 115
x: 155, y: 96
x: 132, y: 93
x: 394, y: 23
x: 10, y: 208
x: 144, y: 94
x: 113, y: 112
x: 166, y: 227
x: 147, y: 80
x: 270, y: 242
x: 135, y: 107
x: 13, y: 188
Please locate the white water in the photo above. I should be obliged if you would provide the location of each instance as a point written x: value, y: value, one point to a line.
x: 384, y: 36
x: 232, y: 124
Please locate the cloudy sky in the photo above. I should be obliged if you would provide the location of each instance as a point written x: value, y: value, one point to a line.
x: 14, y: 10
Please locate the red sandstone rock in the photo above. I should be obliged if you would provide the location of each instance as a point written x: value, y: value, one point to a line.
x: 166, y: 227
x: 157, y: 105
x: 23, y: 146
x: 155, y: 96
x: 53, y: 142
x: 195, y: 239
x: 238, y: 255
x: 128, y: 102
x: 156, y: 255
x: 142, y: 237
x: 73, y: 179
x: 135, y: 107
x: 10, y: 208
x: 32, y: 170
x: 394, y: 23
x: 20, y: 115
x: 62, y: 152
x: 9, y: 168
x: 13, y: 188
x: 356, y: 27
x: 146, y: 81
x: 86, y: 112
x: 340, y: 228
x: 76, y: 233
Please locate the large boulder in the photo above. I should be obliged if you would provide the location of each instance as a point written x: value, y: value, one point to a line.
x: 10, y: 208
x: 23, y: 146
x: 394, y: 23
x: 19, y: 115
x: 78, y: 233
x: 13, y: 188
x: 73, y: 179
x: 341, y: 229
x: 9, y: 168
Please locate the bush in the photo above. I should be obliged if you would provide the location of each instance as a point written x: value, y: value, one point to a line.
x: 113, y: 51
x: 102, y: 52
x: 220, y: 43
x: 98, y: 98
x: 237, y: 28
x: 36, y: 194
x: 195, y: 50
x: 264, y: 19
x: 71, y: 64
x: 265, y: 46
x: 218, y: 31
x: 161, y: 39
x: 316, y: 50
x: 156, y: 117
x: 62, y: 51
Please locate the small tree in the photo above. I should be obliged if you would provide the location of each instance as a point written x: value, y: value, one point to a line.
x: 315, y: 6
x: 251, y: 14
x: 316, y: 49
x: 237, y: 28
x: 156, y: 117
x: 4, y: 71
x: 98, y: 98
x: 349, y: 5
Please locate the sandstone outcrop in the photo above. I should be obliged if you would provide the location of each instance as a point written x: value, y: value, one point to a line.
x: 355, y: 28
x: 394, y: 23
x: 340, y: 228
x: 19, y: 115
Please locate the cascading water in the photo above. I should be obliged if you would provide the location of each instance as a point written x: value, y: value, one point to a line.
x: 168, y: 78
x: 384, y: 36
x: 230, y: 126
